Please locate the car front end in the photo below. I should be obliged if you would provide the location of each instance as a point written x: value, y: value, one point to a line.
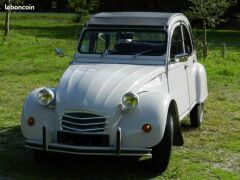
x: 91, y: 112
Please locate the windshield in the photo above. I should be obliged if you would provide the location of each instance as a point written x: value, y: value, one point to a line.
x: 123, y: 42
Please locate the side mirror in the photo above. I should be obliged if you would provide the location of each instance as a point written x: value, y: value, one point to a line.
x: 59, y: 52
x: 182, y: 57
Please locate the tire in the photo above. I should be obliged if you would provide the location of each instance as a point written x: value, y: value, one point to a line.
x: 196, y: 115
x: 40, y: 156
x: 161, y: 153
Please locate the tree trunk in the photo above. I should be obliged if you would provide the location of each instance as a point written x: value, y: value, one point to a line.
x: 7, y: 19
x: 205, y: 47
x: 6, y: 23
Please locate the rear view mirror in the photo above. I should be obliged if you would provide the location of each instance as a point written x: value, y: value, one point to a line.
x: 59, y: 52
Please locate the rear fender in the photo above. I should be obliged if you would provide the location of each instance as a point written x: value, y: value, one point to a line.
x: 201, y: 84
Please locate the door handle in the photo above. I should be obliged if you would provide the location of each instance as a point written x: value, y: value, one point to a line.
x: 186, y: 66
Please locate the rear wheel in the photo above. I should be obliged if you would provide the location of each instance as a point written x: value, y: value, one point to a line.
x: 161, y: 153
x: 196, y: 115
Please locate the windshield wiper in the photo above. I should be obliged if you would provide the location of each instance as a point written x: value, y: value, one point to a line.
x: 144, y: 52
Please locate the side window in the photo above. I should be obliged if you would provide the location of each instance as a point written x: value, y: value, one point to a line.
x: 187, y: 41
x: 88, y: 43
x: 176, y: 42
x: 85, y: 44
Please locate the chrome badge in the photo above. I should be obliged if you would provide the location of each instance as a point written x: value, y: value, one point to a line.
x: 84, y: 103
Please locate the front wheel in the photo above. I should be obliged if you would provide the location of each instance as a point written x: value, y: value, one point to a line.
x: 196, y: 115
x: 161, y: 152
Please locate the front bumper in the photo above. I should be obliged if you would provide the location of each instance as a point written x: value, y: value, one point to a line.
x: 85, y: 150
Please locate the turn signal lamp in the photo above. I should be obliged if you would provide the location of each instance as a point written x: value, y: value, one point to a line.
x: 30, y: 121
x: 147, y: 128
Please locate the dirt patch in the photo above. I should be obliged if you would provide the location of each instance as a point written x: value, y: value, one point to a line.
x: 230, y: 162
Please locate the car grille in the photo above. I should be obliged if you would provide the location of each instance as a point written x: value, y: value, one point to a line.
x: 83, y: 122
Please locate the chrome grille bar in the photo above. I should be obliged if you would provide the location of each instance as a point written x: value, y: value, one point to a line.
x: 85, y: 130
x: 86, y: 124
x: 82, y: 118
x: 83, y: 122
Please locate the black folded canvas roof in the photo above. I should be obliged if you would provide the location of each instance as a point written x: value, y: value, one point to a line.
x: 122, y: 19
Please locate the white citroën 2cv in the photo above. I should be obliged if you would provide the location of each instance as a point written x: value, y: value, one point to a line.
x: 132, y: 80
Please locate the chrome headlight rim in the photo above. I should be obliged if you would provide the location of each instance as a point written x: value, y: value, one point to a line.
x: 46, y: 93
x: 127, y: 105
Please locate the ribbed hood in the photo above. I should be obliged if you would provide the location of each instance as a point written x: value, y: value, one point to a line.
x: 100, y: 87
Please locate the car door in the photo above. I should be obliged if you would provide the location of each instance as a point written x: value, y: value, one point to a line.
x: 191, y: 62
x: 177, y: 71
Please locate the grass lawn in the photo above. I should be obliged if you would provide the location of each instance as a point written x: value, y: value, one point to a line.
x: 27, y: 61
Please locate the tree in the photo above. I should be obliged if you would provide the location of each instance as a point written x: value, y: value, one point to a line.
x: 143, y: 5
x: 7, y: 17
x: 83, y: 7
x: 209, y: 12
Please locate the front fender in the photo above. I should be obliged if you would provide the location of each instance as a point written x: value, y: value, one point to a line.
x: 152, y: 109
x: 43, y: 116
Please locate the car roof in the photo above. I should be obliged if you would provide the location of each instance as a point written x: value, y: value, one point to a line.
x: 135, y: 19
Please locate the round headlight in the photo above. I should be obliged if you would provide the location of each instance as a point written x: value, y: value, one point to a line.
x: 45, y: 96
x: 130, y: 100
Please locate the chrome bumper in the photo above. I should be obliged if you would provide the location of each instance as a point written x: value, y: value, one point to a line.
x: 85, y: 150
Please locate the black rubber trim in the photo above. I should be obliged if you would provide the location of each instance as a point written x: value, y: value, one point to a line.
x: 44, y: 134
x: 136, y: 152
x: 118, y: 146
x: 124, y: 26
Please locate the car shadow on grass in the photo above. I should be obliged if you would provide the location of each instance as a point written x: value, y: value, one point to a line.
x: 17, y: 161
x: 186, y: 127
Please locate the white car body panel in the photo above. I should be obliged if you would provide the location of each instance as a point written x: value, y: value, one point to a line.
x: 96, y: 84
x: 102, y: 84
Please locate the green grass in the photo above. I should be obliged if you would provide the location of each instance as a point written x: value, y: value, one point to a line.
x: 27, y: 61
